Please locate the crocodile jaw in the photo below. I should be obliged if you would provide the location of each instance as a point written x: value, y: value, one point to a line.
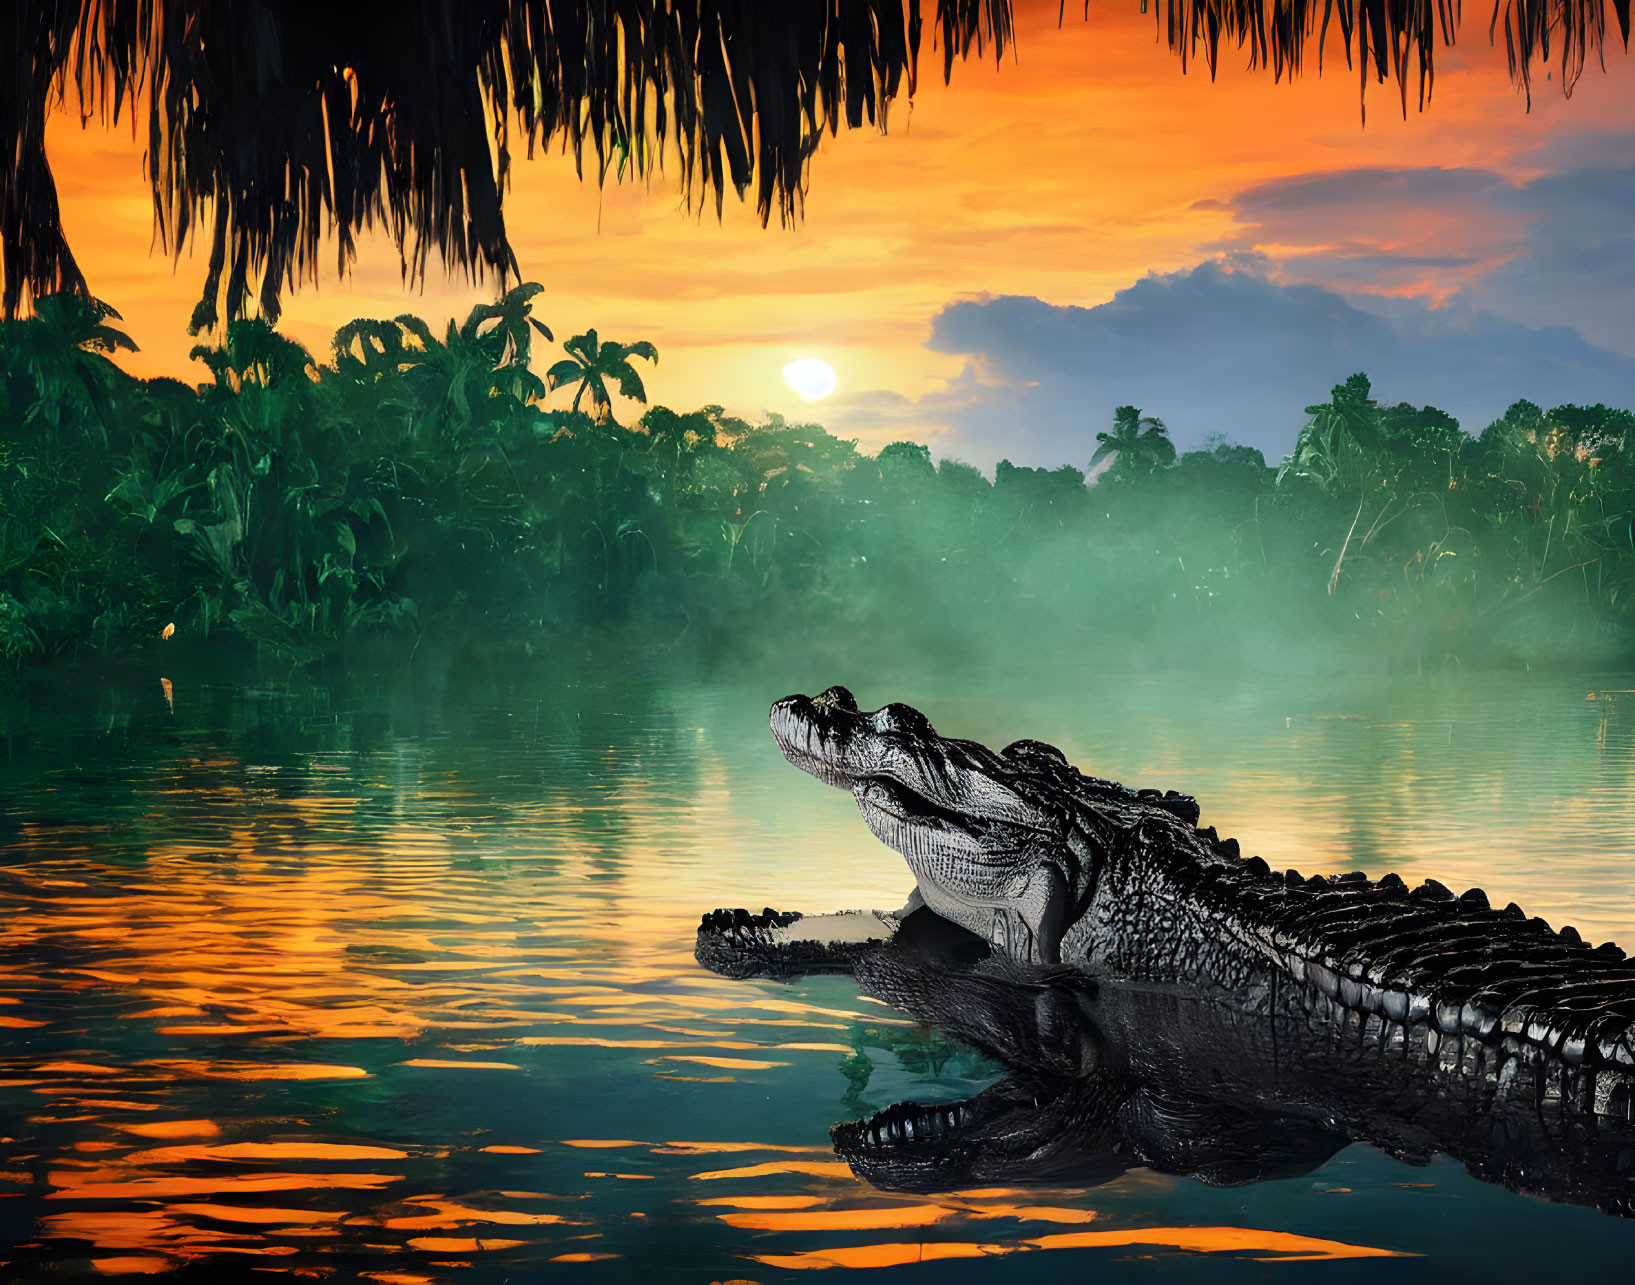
x: 985, y: 857
x: 829, y: 738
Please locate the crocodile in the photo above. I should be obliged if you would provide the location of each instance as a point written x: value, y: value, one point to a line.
x: 1161, y: 999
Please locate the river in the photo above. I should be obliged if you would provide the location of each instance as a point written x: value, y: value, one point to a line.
x: 397, y: 983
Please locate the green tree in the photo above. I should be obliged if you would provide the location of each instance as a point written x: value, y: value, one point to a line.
x: 591, y: 362
x: 62, y: 356
x: 1422, y: 446
x: 477, y: 375
x: 1520, y: 418
x: 1336, y: 448
x: 1140, y: 444
x: 1595, y: 430
x: 674, y: 439
x: 906, y: 467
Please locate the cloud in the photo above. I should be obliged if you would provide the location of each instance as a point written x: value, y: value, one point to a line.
x: 1554, y: 249
x: 1363, y: 191
x: 877, y: 416
x: 1223, y: 348
x: 1577, y: 266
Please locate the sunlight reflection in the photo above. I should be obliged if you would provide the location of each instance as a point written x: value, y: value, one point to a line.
x: 335, y: 1004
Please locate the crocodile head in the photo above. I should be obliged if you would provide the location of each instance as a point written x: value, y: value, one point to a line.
x: 998, y: 842
x: 1085, y: 1098
x: 1032, y: 1130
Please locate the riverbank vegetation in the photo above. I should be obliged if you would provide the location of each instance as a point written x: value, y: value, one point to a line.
x: 416, y: 496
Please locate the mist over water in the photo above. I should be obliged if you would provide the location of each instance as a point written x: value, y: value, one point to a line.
x: 399, y: 980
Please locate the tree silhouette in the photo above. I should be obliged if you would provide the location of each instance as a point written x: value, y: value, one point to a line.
x: 1140, y: 444
x: 591, y: 362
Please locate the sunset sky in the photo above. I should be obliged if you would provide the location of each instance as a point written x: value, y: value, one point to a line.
x: 979, y: 276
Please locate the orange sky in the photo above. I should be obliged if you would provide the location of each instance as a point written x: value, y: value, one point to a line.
x: 1066, y: 173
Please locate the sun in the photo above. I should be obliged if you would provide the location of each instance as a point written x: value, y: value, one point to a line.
x: 811, y: 377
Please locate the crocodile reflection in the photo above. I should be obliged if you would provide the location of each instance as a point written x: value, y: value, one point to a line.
x: 1163, y: 1001
x: 1104, y: 1077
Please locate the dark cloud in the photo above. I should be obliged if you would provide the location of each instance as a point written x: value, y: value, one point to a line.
x: 1576, y: 266
x: 1558, y: 249
x: 1364, y: 191
x: 1220, y: 349
x: 1584, y: 149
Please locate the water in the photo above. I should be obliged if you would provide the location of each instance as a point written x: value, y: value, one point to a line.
x: 399, y: 986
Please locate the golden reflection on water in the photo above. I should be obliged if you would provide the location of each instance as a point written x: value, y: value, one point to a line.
x: 372, y: 1014
x: 1263, y: 1246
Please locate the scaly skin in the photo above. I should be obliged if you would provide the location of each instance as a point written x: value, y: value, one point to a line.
x: 1105, y: 1077
x: 1177, y: 1001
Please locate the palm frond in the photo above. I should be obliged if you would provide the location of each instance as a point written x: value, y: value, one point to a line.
x: 563, y: 371
x: 641, y: 348
x: 1396, y: 40
x: 630, y: 383
x: 277, y: 122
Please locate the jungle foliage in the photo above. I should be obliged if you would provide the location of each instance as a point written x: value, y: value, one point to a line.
x: 415, y: 490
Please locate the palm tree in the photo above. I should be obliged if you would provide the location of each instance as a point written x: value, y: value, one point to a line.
x: 252, y: 352
x: 1338, y: 447
x: 415, y: 133
x: 510, y: 322
x: 478, y: 372
x: 369, y: 350
x: 1139, y: 443
x: 592, y: 362
x: 64, y: 353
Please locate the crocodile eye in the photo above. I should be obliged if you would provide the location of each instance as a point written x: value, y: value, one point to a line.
x: 1025, y: 750
x: 901, y: 718
x: 836, y: 698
